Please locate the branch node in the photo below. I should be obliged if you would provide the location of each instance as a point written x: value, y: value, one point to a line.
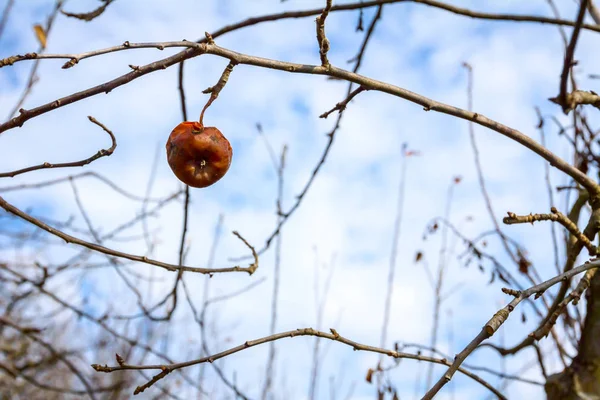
x: 321, y: 38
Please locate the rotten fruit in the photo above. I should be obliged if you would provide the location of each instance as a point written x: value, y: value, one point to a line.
x: 199, y: 156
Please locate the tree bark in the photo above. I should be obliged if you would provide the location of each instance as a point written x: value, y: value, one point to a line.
x: 581, y: 380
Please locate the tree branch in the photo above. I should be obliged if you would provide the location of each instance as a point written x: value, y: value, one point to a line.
x: 500, y: 317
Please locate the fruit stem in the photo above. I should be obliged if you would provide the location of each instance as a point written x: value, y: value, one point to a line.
x: 215, y: 90
x: 208, y: 103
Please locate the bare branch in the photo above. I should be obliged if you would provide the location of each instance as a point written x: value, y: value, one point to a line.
x: 215, y: 90
x: 555, y: 216
x: 499, y: 318
x: 577, y: 97
x: 31, y: 334
x: 33, y: 78
x: 46, y: 165
x: 368, y: 83
x: 143, y: 259
x: 569, y: 54
x: 321, y: 38
x: 341, y: 106
x: 334, y: 336
x: 89, y: 15
x: 7, y: 9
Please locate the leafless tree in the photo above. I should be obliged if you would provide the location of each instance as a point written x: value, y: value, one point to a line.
x: 50, y: 332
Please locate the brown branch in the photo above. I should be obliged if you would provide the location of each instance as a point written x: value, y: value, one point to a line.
x: 573, y: 297
x: 387, y: 308
x: 31, y: 334
x: 89, y: 15
x: 479, y: 169
x: 81, y: 313
x: 368, y: 83
x: 33, y: 79
x: 569, y: 54
x: 106, y: 87
x: 363, y: 47
x: 594, y: 12
x: 557, y: 217
x: 321, y: 38
x: 279, y: 167
x: 5, y: 14
x: 215, y: 90
x: 549, y: 189
x: 441, y: 269
x: 343, y: 7
x: 47, y: 165
x: 182, y: 92
x: 341, y: 106
x: 574, y: 247
x: 476, y: 367
x: 65, y: 390
x: 68, y: 178
x: 143, y: 259
x: 428, y: 105
x: 254, y: 265
x: 334, y: 336
x: 331, y: 135
x: 500, y: 317
x: 575, y: 98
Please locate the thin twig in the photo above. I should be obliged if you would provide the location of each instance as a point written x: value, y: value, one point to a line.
x: 270, y: 368
x: 439, y: 278
x: 479, y: 169
x: 394, y: 251
x: 33, y: 79
x: 169, y: 267
x: 371, y: 84
x: 341, y: 106
x: 89, y: 16
x: 30, y: 333
x: 554, y: 216
x: 569, y: 54
x: 550, y: 191
x: 334, y: 336
x: 86, y: 174
x: 101, y: 153
x: 215, y: 90
x: 5, y: 14
x: 321, y: 37
x: 499, y: 318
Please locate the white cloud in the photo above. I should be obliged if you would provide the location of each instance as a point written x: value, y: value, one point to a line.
x: 349, y: 210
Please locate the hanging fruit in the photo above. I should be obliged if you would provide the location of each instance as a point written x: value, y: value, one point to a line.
x: 199, y: 156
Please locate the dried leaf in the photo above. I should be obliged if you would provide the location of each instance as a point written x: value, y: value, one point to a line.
x: 524, y: 265
x: 40, y: 34
x: 419, y: 256
x: 369, y: 377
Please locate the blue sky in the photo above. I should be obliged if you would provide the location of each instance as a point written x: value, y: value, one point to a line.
x: 350, y: 209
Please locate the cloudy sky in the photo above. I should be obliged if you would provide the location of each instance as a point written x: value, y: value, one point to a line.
x: 346, y: 220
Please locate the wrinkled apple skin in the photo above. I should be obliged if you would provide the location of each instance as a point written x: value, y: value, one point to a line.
x: 199, y: 156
